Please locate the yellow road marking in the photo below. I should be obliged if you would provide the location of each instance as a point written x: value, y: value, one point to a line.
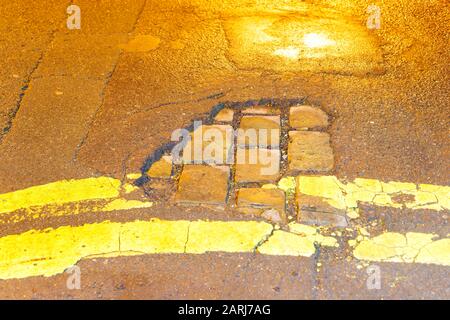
x: 337, y: 194
x: 124, y: 204
x: 347, y: 195
x: 72, y: 209
x: 299, y: 241
x: 51, y: 251
x: 69, y: 197
x: 60, y: 192
x: 412, y: 247
x: 232, y: 236
x: 134, y: 176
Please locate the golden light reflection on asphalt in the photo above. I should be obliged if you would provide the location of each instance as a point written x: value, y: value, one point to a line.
x: 311, y: 41
x: 317, y: 40
x: 289, y: 52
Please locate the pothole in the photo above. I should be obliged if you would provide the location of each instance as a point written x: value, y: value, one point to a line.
x: 235, y: 157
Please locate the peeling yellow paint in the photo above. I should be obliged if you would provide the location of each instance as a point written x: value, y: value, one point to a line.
x: 369, y: 184
x: 410, y: 248
x: 300, y: 241
x: 384, y: 199
x: 124, y: 204
x: 313, y: 234
x: 302, y: 229
x: 134, y: 176
x: 353, y: 213
x: 48, y: 252
x: 437, y: 252
x: 287, y: 184
x: 394, y: 187
x: 233, y: 236
x: 52, y: 198
x: 72, y: 209
x: 129, y: 188
x: 289, y: 244
x: 51, y: 251
x: 60, y: 192
x: 327, y: 187
x: 363, y: 231
x: 68, y: 197
x: 423, y: 198
x: 346, y: 196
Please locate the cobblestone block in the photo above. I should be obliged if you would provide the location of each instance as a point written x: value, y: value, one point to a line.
x: 309, y: 151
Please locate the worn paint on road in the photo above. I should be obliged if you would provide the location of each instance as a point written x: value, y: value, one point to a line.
x: 338, y: 194
x: 409, y: 248
x: 60, y: 192
x: 51, y: 251
x: 346, y: 196
x: 101, y: 194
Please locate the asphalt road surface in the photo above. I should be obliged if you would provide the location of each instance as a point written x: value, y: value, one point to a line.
x: 94, y: 102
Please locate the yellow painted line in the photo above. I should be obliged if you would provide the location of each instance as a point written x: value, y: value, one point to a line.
x: 69, y: 197
x: 124, y: 204
x: 60, y: 192
x: 134, y: 176
x: 51, y: 251
x: 411, y: 247
x: 58, y: 195
x: 371, y: 191
x: 72, y: 209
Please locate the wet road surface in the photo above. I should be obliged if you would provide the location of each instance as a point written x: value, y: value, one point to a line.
x: 98, y: 101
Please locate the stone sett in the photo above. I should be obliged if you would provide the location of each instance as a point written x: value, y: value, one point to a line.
x: 269, y: 203
x: 203, y: 184
x: 267, y: 110
x: 265, y: 133
x: 161, y: 168
x: 309, y: 151
x: 224, y: 115
x: 215, y: 145
x: 257, y: 165
x: 307, y: 117
x: 315, y: 211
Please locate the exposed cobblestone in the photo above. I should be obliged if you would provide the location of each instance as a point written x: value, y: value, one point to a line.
x: 224, y: 115
x: 259, y: 201
x: 259, y: 131
x: 257, y: 165
x: 307, y: 117
x: 309, y: 151
x: 261, y: 110
x: 243, y: 168
x: 203, y: 184
x: 161, y: 168
x: 212, y: 144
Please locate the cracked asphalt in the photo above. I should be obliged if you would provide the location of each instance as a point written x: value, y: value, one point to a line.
x: 98, y: 101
